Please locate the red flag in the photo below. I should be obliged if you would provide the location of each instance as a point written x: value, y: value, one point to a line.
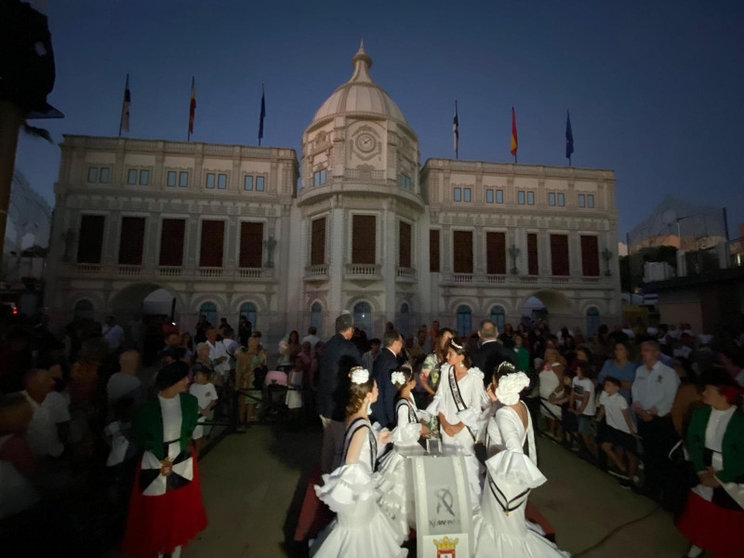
x: 192, y: 107
x: 514, y: 142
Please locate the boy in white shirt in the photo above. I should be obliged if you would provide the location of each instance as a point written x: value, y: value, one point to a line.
x: 618, y: 437
x: 581, y: 403
x: 206, y: 395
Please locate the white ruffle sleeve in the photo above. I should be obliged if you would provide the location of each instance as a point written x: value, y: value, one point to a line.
x: 407, y: 434
x: 514, y: 472
x: 346, y: 486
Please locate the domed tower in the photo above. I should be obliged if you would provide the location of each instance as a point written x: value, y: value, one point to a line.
x: 361, y: 205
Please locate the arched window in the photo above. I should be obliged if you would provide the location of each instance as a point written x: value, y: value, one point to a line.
x: 498, y: 317
x: 316, y: 317
x: 404, y: 319
x: 248, y: 309
x: 209, y: 310
x: 464, y: 321
x: 363, y: 317
x: 83, y: 310
x: 592, y: 321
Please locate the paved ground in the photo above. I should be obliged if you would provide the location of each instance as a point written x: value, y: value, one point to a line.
x: 252, y: 483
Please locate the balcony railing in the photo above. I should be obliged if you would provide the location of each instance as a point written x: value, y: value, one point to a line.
x: 170, y: 271
x: 362, y: 271
x: 255, y: 272
x: 316, y: 272
x: 130, y: 270
x: 144, y: 272
x: 512, y: 280
x: 211, y: 272
x: 407, y: 274
x: 88, y: 268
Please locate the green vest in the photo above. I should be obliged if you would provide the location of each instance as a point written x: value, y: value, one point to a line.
x: 732, y: 446
x: 148, y: 424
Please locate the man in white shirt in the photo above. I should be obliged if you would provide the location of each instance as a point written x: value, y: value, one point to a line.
x: 218, y: 355
x: 653, y: 391
x: 113, y: 334
x: 41, y: 432
x: 311, y: 337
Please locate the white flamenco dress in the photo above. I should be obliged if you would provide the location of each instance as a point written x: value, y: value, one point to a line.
x: 395, y: 475
x: 462, y: 401
x: 360, y: 527
x: 501, y: 529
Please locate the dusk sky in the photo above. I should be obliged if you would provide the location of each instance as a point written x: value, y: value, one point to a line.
x: 655, y: 89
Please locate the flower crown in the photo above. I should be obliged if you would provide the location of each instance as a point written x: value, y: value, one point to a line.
x: 359, y: 375
x: 398, y: 377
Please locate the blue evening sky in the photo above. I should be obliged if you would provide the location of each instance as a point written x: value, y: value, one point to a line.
x: 655, y: 89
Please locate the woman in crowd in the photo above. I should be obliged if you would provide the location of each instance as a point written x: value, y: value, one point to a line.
x: 501, y: 529
x: 429, y: 379
x: 714, y: 521
x: 360, y: 528
x: 619, y: 367
x: 247, y: 360
x: 458, y: 403
x: 165, y: 509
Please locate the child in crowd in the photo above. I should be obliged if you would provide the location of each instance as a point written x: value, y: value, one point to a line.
x: 294, y: 389
x: 397, y: 500
x: 617, y: 438
x: 582, y: 404
x: 206, y: 395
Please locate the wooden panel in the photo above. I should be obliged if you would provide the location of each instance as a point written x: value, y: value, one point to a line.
x: 131, y: 240
x: 589, y: 256
x: 532, y: 265
x: 434, y: 250
x: 212, y: 243
x: 559, y: 254
x: 495, y: 253
x: 363, y: 239
x: 318, y: 242
x: 462, y: 251
x: 404, y: 245
x: 171, y: 242
x: 90, y: 238
x: 251, y: 245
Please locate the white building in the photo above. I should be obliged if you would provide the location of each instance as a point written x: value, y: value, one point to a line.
x: 225, y: 229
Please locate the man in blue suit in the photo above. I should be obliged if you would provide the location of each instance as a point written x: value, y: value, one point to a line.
x: 383, y: 411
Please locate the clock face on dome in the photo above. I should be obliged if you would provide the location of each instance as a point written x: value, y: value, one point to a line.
x: 366, y: 142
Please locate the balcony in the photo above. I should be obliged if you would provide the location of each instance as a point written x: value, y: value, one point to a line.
x: 165, y: 272
x: 530, y: 281
x: 405, y: 275
x: 363, y: 272
x: 316, y: 273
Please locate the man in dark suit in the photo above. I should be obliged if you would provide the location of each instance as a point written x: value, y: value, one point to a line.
x: 339, y: 356
x: 491, y: 353
x: 383, y: 411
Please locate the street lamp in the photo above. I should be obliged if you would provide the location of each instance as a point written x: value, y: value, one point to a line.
x: 607, y: 256
x: 514, y: 253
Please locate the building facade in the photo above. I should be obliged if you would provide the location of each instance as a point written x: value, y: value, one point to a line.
x: 227, y: 230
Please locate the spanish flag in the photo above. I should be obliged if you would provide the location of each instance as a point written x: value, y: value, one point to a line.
x: 192, y: 108
x: 514, y: 142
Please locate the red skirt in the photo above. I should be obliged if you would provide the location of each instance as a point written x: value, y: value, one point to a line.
x: 158, y: 524
x: 712, y: 528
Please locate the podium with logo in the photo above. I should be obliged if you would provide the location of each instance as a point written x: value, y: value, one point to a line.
x: 444, y: 519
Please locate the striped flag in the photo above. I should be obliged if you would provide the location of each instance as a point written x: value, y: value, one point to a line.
x: 263, y: 115
x: 456, y: 132
x: 124, y: 122
x: 514, y: 141
x: 192, y: 108
x: 569, y: 139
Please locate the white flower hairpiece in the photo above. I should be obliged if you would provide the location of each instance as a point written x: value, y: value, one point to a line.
x: 398, y: 377
x: 455, y: 345
x: 359, y: 375
x: 510, y: 386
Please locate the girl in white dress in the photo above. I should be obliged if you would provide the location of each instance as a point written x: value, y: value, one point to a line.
x: 459, y: 402
x: 360, y: 527
x: 396, y: 481
x: 501, y: 529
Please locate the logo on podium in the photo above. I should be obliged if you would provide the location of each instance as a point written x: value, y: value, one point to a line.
x: 446, y: 547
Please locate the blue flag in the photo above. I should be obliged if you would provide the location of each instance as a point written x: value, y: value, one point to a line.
x: 263, y: 115
x: 569, y: 138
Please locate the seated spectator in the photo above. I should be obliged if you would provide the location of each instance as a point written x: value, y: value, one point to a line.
x: 125, y: 383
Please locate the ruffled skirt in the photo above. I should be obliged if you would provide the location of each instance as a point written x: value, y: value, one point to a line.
x: 712, y: 527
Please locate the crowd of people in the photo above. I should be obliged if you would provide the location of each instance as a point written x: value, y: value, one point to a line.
x: 659, y: 409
